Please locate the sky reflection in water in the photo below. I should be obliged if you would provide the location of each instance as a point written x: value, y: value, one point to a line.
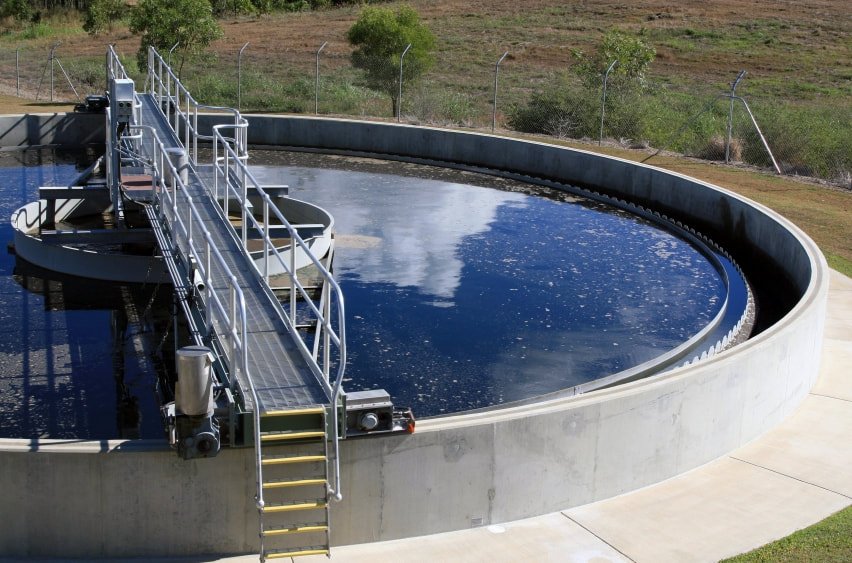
x: 462, y: 296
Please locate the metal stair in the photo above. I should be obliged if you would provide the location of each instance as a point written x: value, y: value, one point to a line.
x: 293, y: 508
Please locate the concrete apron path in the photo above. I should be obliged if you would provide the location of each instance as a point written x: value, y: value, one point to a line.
x: 791, y: 477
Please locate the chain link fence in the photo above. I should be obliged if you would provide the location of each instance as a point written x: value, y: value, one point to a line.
x: 675, y: 115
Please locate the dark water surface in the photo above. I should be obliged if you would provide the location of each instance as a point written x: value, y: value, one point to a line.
x: 465, y: 291
x: 462, y: 291
x: 72, y: 363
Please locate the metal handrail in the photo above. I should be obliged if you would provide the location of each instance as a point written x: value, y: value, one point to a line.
x: 227, y: 312
x: 164, y: 85
x: 188, y: 229
x: 230, y: 312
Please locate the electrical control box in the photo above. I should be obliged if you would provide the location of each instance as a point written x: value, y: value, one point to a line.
x: 121, y: 95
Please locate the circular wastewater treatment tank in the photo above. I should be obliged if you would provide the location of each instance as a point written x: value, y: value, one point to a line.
x: 462, y: 291
x: 465, y: 291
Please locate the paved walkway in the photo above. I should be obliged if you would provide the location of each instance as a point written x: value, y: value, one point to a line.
x: 793, y: 476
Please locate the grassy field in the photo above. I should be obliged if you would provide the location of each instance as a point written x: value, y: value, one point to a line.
x: 792, y: 49
x: 798, y: 56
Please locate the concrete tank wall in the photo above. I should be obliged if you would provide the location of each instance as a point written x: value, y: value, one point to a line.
x: 464, y: 470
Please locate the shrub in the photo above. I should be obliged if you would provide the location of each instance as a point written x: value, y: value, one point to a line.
x: 563, y: 111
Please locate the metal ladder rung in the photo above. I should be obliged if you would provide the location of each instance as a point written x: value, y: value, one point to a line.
x: 309, y: 505
x: 292, y: 459
x: 294, y: 483
x: 301, y: 553
x: 291, y: 435
x: 301, y: 529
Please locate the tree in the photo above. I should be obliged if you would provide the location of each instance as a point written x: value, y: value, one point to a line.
x: 100, y: 15
x: 381, y: 35
x: 21, y: 10
x: 634, y: 57
x: 162, y: 23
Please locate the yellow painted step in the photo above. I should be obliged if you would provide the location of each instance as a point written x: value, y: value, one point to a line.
x: 292, y: 459
x: 302, y: 553
x: 293, y: 483
x: 296, y: 530
x: 295, y: 412
x: 310, y: 505
x: 291, y: 435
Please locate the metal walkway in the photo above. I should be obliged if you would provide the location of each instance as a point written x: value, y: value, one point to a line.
x: 280, y: 374
x: 268, y: 368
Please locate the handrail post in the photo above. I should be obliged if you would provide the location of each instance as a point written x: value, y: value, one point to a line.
x: 186, y: 122
x: 292, y: 275
x: 244, y: 206
x: 326, y: 343
x: 215, y: 165
x: 494, y: 109
x: 151, y: 68
x: 226, y: 178
x: 232, y: 345
x: 266, y: 236
x: 195, y: 136
x: 159, y: 81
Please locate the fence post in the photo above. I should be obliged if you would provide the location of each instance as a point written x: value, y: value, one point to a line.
x: 17, y: 73
x: 170, y: 53
x: 603, y: 98
x: 399, y: 99
x: 239, y: 76
x: 316, y: 87
x: 52, y: 50
x: 731, y: 116
x: 494, y: 109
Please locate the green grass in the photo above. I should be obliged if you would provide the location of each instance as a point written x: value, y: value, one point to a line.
x: 844, y: 266
x: 829, y: 541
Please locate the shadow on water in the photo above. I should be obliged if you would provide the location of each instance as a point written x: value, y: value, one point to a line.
x: 86, y: 361
x: 78, y: 358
